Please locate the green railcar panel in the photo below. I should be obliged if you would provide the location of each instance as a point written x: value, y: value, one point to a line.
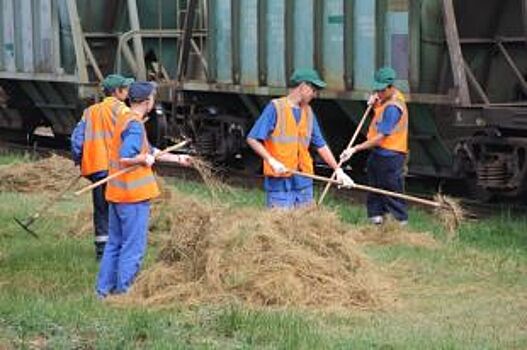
x: 221, y: 13
x: 34, y: 40
x: 248, y: 52
x: 303, y: 42
x: 364, y: 44
x: 332, y: 46
x: 432, y: 51
x: 275, y: 41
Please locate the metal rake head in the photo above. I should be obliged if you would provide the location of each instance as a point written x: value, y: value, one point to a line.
x: 25, y: 226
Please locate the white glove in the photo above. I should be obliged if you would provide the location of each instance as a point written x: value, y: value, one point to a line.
x: 344, y: 179
x: 149, y: 160
x: 278, y: 167
x: 155, y: 151
x: 372, y: 99
x: 347, y: 153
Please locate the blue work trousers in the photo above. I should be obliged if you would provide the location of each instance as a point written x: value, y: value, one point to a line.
x: 386, y: 172
x: 123, y: 254
x: 289, y: 199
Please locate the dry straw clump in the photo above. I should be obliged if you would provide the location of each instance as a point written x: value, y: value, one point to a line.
x: 50, y: 174
x: 213, y: 254
x: 392, y: 233
x: 451, y: 214
x: 207, y: 173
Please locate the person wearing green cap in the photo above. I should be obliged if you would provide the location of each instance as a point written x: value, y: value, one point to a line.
x: 387, y: 139
x: 130, y: 194
x: 90, y: 143
x: 282, y: 136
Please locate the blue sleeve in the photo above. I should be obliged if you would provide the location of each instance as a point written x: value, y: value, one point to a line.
x: 77, y: 141
x: 389, y: 119
x: 131, y: 140
x: 265, y: 124
x: 317, y: 139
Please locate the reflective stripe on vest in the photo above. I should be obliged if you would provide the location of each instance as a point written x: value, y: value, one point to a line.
x: 289, y: 142
x: 134, y: 186
x: 398, y: 139
x: 100, y: 122
x: 99, y: 135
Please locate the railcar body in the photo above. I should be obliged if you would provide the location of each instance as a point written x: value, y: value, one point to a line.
x: 461, y: 63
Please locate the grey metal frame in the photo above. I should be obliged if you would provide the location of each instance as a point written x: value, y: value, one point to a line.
x: 460, y: 68
x: 456, y: 56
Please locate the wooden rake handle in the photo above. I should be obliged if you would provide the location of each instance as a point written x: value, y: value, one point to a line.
x: 133, y: 167
x: 372, y: 190
x: 350, y: 144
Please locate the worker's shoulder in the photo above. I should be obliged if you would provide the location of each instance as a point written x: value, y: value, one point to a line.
x: 124, y: 108
x: 90, y: 110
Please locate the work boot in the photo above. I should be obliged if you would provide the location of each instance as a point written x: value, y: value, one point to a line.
x: 376, y: 220
x: 99, y: 250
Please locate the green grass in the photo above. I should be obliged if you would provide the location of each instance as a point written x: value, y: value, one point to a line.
x: 7, y: 158
x: 467, y: 294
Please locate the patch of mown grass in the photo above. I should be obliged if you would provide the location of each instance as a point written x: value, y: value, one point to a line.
x: 470, y: 293
x: 233, y: 195
x: 7, y: 157
x: 275, y: 329
x: 503, y: 231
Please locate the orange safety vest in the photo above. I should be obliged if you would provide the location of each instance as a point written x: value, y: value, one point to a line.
x: 398, y: 139
x: 134, y: 186
x: 289, y: 141
x: 100, y: 121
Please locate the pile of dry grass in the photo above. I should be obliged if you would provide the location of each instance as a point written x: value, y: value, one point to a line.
x: 50, y: 174
x: 214, y: 254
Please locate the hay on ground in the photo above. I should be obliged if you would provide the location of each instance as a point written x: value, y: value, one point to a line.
x: 451, y: 214
x: 215, y: 254
x: 50, y: 174
x: 207, y: 172
x: 392, y: 233
x: 82, y: 224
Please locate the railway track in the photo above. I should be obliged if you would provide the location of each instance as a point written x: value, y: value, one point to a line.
x: 245, y: 179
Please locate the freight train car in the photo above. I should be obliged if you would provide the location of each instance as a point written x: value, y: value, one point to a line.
x: 462, y: 64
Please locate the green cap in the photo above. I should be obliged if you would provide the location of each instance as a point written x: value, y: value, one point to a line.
x: 114, y: 81
x: 383, y: 77
x: 307, y: 75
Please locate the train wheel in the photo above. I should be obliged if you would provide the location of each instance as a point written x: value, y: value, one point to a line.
x: 157, y: 127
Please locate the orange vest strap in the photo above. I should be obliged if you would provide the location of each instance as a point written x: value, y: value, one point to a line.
x: 281, y: 122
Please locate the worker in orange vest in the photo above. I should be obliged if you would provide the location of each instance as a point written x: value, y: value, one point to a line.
x: 282, y: 136
x: 387, y: 140
x: 129, y: 194
x: 90, y: 143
